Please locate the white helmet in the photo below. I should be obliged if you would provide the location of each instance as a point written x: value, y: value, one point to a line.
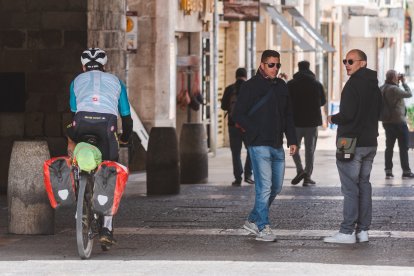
x: 93, y: 55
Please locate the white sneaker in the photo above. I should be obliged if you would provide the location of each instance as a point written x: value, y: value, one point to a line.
x: 266, y: 235
x: 251, y: 227
x: 341, y: 238
x: 362, y: 236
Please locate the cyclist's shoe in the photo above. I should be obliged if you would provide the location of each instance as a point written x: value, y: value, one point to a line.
x: 106, y: 237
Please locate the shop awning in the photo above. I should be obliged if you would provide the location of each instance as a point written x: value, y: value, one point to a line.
x: 309, y: 29
x: 290, y: 31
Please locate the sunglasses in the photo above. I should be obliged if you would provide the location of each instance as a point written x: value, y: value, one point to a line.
x: 350, y: 61
x: 271, y: 65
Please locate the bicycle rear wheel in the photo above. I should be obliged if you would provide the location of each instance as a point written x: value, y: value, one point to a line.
x: 84, y: 217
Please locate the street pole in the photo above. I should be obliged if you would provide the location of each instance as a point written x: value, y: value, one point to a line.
x: 253, y: 47
x: 247, y: 51
x: 213, y: 96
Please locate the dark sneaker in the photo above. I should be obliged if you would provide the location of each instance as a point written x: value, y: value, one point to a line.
x: 106, y: 237
x: 409, y: 175
x: 248, y: 180
x: 389, y: 176
x: 308, y: 181
x: 298, y: 177
x: 236, y: 183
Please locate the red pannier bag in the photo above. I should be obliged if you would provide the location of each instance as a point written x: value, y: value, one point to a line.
x: 59, y: 182
x: 110, y: 181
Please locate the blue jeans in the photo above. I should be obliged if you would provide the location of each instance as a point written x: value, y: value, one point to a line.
x: 236, y: 142
x: 356, y: 189
x: 269, y: 170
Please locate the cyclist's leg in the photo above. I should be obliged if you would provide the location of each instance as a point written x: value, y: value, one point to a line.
x: 113, y: 145
x: 109, y: 148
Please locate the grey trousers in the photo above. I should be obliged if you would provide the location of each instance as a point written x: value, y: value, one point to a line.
x: 310, y: 136
x: 356, y: 189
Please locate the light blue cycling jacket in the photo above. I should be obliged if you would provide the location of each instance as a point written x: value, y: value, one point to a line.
x: 97, y: 91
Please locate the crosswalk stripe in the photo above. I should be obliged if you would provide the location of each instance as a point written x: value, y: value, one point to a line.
x: 242, y: 232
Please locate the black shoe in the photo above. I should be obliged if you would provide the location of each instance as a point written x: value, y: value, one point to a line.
x: 409, y: 175
x: 298, y: 177
x: 308, y: 181
x: 236, y: 183
x: 106, y: 237
x: 389, y: 176
x: 248, y: 180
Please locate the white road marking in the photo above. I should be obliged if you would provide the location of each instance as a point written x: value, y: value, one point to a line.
x: 242, y: 232
x: 182, y: 267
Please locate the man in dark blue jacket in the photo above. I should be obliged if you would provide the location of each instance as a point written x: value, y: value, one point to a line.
x: 307, y: 96
x: 264, y: 112
x: 360, y: 109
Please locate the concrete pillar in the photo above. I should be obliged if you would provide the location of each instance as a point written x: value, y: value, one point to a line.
x: 29, y: 208
x: 163, y: 173
x: 193, y: 154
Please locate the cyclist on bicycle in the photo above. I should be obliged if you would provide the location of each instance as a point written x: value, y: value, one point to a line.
x: 96, y: 99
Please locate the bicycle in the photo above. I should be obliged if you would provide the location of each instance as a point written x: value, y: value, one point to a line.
x: 88, y: 223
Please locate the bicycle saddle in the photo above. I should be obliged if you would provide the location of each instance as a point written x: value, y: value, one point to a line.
x: 90, y: 139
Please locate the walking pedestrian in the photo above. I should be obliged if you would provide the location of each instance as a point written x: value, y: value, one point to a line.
x: 307, y: 96
x: 394, y: 122
x: 264, y: 112
x: 235, y: 135
x: 360, y: 107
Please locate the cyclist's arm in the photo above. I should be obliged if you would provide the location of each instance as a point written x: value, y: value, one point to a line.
x: 72, y: 99
x: 125, y: 112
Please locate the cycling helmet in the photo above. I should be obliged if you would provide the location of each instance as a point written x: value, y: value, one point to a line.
x: 94, y: 55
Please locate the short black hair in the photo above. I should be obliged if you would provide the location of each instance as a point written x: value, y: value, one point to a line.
x: 303, y: 65
x: 241, y: 73
x: 269, y: 53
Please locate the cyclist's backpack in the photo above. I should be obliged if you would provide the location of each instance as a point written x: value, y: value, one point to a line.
x: 59, y: 182
x: 110, y: 181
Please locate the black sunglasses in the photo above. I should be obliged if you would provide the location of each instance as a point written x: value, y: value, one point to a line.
x: 350, y: 61
x: 271, y: 65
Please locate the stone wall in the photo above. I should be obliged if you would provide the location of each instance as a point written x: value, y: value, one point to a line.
x: 41, y: 40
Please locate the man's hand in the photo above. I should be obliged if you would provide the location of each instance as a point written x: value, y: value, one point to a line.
x: 283, y: 76
x: 293, y: 149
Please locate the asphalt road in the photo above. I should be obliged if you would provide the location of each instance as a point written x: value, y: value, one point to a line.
x: 199, y: 230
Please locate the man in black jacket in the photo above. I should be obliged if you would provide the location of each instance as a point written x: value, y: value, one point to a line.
x: 235, y: 135
x: 263, y: 110
x: 307, y: 96
x: 360, y: 109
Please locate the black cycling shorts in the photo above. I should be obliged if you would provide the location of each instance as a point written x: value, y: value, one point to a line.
x: 101, y: 125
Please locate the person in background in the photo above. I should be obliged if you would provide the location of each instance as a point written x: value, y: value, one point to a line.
x: 235, y: 135
x: 264, y: 112
x: 307, y: 95
x: 394, y: 122
x: 360, y: 108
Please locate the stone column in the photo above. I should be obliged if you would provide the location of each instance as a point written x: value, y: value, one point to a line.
x: 106, y: 30
x: 29, y: 208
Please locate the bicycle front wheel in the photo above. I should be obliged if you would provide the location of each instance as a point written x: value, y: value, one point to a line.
x: 84, y: 218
